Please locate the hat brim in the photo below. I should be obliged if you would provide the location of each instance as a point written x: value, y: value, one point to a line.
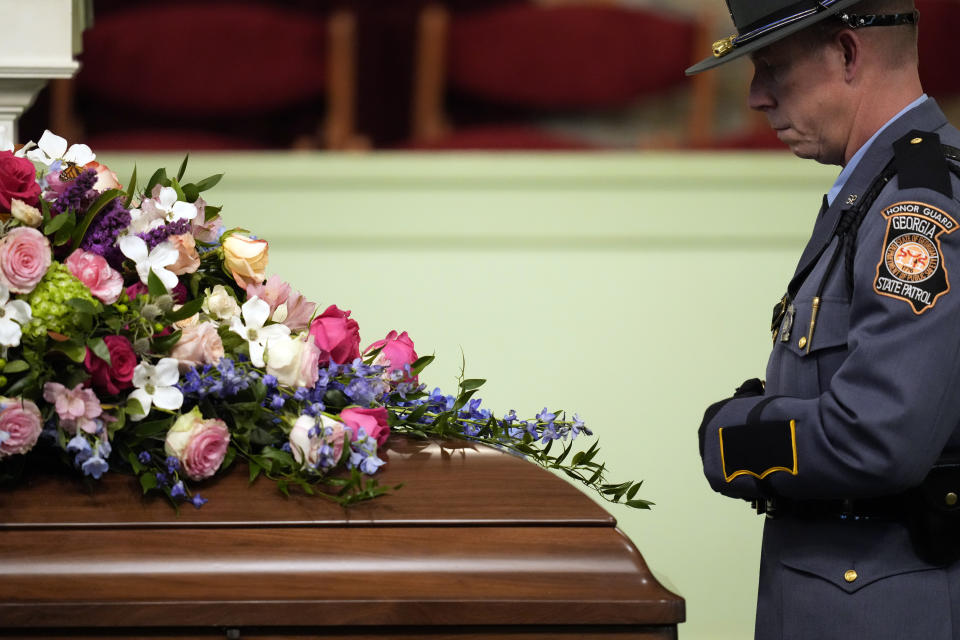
x: 770, y: 38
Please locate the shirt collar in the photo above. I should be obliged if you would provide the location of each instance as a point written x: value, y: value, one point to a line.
x: 855, y: 160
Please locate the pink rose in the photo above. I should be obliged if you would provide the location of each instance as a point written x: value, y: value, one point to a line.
x: 116, y: 376
x: 76, y: 407
x: 372, y: 421
x: 20, y: 426
x: 188, y: 259
x: 24, y: 259
x: 200, y: 445
x: 104, y: 282
x: 286, y: 305
x: 317, y: 445
x: 106, y: 179
x: 395, y: 353
x: 199, y: 344
x: 337, y: 336
x: 18, y: 179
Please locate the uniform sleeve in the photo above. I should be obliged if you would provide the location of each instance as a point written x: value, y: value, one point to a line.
x: 881, y: 420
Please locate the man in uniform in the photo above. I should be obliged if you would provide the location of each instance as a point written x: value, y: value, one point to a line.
x: 847, y: 448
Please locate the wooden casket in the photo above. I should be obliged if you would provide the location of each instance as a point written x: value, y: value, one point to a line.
x: 476, y: 544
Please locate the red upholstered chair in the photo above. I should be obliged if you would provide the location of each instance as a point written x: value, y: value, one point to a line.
x: 210, y: 75
x: 939, y: 26
x: 537, y: 60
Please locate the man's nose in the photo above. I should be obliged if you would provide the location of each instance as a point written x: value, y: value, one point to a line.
x: 760, y: 96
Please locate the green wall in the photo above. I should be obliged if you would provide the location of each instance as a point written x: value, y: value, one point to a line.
x: 634, y: 289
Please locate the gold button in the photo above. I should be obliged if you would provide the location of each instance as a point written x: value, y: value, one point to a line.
x: 916, y: 141
x: 803, y: 342
x: 950, y: 499
x: 850, y: 575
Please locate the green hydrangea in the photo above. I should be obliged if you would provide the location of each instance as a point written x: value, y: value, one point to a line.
x: 48, y: 302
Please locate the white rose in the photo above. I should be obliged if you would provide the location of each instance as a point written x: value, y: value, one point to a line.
x: 293, y: 360
x: 26, y: 214
x: 220, y: 304
x: 306, y: 449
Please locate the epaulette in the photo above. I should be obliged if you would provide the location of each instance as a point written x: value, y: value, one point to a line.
x: 920, y: 162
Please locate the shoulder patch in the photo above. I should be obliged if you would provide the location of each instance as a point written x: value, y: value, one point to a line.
x: 920, y: 163
x: 912, y: 267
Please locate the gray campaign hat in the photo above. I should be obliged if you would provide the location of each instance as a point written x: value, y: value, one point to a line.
x: 763, y: 22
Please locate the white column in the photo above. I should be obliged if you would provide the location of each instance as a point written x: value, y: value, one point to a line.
x: 37, y: 45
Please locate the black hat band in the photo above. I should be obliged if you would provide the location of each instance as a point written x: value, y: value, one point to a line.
x: 723, y: 47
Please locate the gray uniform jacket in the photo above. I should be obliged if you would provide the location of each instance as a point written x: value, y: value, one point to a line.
x: 859, y: 408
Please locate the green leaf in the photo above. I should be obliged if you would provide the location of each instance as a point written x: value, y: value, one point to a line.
x: 131, y: 189
x: 159, y: 177
x: 473, y: 383
x: 57, y: 223
x: 148, y: 481
x: 420, y: 364
x: 134, y: 408
x: 633, y: 491
x: 209, y: 183
x: 190, y: 192
x: 82, y: 305
x: 183, y: 167
x: 639, y: 504
x: 81, y: 230
x: 99, y: 348
x: 209, y: 213
x: 153, y: 428
x: 155, y: 285
x: 186, y: 310
x: 255, y: 470
x: 74, y: 350
x: 176, y: 187
x: 163, y: 344
x: 16, y: 366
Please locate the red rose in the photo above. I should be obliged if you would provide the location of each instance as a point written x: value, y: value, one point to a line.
x: 18, y: 179
x: 337, y: 336
x: 116, y: 376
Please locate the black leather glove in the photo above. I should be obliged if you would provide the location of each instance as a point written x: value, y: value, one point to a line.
x: 749, y: 388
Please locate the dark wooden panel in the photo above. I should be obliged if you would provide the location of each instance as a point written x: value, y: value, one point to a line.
x: 455, y: 484
x: 359, y: 576
x: 488, y: 632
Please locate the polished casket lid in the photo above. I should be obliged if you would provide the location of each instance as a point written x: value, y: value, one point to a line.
x: 474, y: 536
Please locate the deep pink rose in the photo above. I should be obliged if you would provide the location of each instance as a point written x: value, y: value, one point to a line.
x: 20, y: 420
x: 373, y: 421
x: 136, y: 289
x: 116, y: 376
x: 104, y: 282
x: 18, y: 179
x: 396, y: 351
x: 200, y: 445
x: 337, y: 336
x: 24, y: 259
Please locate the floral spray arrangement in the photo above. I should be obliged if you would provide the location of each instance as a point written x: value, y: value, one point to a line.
x: 139, y: 335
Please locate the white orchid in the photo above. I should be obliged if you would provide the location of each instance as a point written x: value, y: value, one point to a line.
x: 156, y: 259
x: 255, y: 313
x: 172, y: 208
x: 13, y: 315
x: 52, y: 147
x: 155, y: 386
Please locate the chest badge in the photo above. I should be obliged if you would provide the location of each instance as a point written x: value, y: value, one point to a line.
x: 912, y: 268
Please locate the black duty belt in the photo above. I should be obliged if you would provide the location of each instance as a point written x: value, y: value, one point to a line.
x: 885, y: 508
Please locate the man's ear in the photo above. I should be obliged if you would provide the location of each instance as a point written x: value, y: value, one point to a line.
x: 850, y: 48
